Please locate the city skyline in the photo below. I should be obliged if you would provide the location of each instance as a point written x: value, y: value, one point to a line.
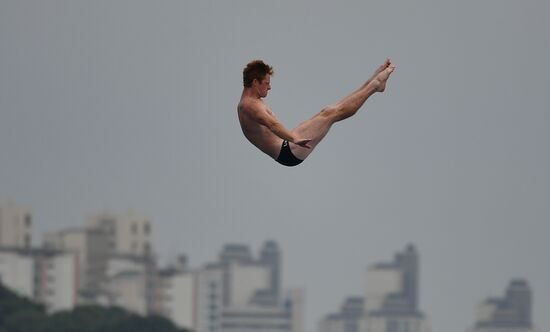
x: 131, y: 105
x: 392, y: 286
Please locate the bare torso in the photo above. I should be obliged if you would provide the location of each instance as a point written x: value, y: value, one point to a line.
x: 258, y: 134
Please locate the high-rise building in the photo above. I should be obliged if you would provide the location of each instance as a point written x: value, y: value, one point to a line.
x: 255, y: 318
x: 392, y: 287
x: 511, y: 313
x: 127, y: 290
x: 127, y: 234
x: 17, y: 271
x: 92, y: 249
x: 242, y: 293
x: 378, y: 322
x: 347, y: 319
x: 15, y: 226
x: 390, y: 303
x: 286, y: 316
x: 392, y: 296
x: 294, y: 303
x: 57, y: 279
x: 128, y: 239
x: 209, y: 297
x: 175, y: 294
x: 116, y: 264
x: 49, y: 277
x: 408, y: 262
x: 270, y: 256
x: 130, y: 282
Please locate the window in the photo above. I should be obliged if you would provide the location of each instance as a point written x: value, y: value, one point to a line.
x: 28, y: 220
x: 147, y: 228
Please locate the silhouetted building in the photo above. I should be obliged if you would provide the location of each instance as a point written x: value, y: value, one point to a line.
x: 242, y: 293
x: 347, y: 320
x: 390, y: 303
x: 392, y: 287
x: 511, y: 313
x: 270, y: 257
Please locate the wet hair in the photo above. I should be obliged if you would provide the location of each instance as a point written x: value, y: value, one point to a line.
x: 255, y: 69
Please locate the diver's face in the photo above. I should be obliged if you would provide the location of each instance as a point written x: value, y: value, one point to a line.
x: 264, y: 86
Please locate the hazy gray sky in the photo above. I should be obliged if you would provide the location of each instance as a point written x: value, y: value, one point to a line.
x: 130, y: 105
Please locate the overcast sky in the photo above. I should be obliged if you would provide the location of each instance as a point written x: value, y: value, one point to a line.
x: 131, y: 105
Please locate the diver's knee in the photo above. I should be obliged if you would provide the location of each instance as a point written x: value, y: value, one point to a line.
x: 329, y: 111
x: 332, y: 112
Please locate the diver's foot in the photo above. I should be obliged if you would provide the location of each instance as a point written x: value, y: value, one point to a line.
x: 379, y: 80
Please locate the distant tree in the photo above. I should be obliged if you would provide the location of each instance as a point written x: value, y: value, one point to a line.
x: 18, y: 314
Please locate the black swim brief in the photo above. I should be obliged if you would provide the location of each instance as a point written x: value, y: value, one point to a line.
x: 286, y: 157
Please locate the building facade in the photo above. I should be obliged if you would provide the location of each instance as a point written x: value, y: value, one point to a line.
x: 390, y: 301
x: 91, y: 247
x: 347, y: 319
x: 17, y: 271
x: 15, y: 226
x: 209, y: 298
x: 116, y: 264
x: 48, y: 277
x: 175, y: 294
x: 243, y: 293
x: 127, y: 233
x: 510, y: 313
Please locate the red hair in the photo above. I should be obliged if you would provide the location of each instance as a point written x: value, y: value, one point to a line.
x: 255, y: 69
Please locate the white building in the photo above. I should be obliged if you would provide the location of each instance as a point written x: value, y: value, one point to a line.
x: 255, y: 318
x: 252, y: 299
x: 394, y: 323
x: 209, y: 298
x: 91, y: 247
x: 242, y: 293
x: 127, y: 290
x: 381, y: 281
x: 17, y: 272
x: 128, y: 283
x: 45, y: 276
x: 127, y: 234
x: 244, y: 282
x: 176, y: 298
x: 115, y: 260
x: 286, y: 316
x: 15, y: 226
x: 295, y: 303
x: 57, y: 279
x: 390, y: 303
